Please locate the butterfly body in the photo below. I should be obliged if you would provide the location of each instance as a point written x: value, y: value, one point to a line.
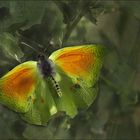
x: 64, y: 82
x: 46, y: 68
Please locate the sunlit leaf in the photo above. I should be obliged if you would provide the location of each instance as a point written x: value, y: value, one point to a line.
x: 10, y: 47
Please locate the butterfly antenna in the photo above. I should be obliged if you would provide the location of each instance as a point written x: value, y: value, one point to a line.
x: 39, y: 46
x: 23, y: 43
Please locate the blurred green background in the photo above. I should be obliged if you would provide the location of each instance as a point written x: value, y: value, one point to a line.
x: 54, y: 24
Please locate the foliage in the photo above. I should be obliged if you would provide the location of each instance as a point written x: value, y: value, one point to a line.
x: 54, y: 24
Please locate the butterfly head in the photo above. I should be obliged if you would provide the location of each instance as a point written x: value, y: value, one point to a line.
x: 41, y: 57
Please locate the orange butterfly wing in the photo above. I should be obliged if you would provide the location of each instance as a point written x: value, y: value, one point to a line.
x: 17, y: 86
x: 80, y: 62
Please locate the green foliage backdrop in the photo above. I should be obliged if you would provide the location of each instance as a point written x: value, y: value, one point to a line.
x: 54, y: 24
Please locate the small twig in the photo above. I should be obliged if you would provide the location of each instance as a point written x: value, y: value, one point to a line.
x: 70, y: 27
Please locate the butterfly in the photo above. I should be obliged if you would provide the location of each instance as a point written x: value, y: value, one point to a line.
x: 63, y: 82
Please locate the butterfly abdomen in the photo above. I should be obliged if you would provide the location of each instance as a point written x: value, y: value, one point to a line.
x: 56, y: 86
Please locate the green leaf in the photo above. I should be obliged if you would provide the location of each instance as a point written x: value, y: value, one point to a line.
x: 10, y: 47
x: 21, y: 11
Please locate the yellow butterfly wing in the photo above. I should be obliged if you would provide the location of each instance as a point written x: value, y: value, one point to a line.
x: 24, y: 90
